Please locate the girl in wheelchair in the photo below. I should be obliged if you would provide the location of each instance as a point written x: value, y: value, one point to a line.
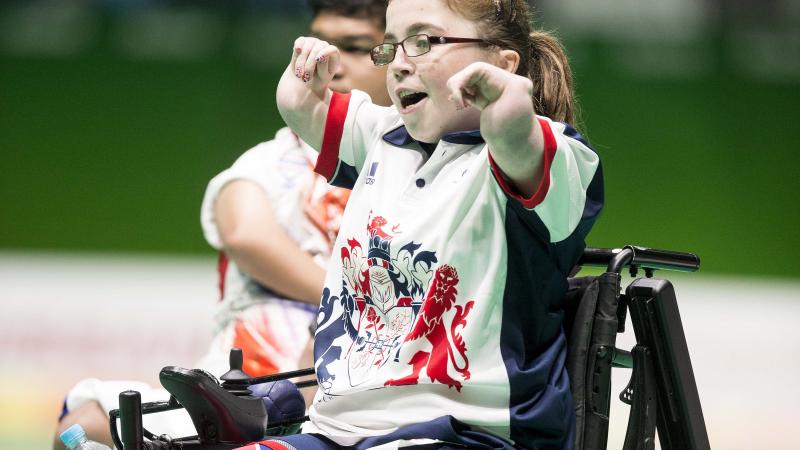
x: 440, y: 323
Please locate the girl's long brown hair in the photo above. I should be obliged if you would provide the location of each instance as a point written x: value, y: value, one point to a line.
x: 542, y: 58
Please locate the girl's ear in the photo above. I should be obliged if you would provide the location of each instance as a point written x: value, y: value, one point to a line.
x: 507, y: 60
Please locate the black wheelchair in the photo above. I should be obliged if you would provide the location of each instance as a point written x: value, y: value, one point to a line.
x: 662, y: 392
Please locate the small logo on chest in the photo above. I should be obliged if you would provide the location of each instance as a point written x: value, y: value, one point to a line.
x: 373, y: 169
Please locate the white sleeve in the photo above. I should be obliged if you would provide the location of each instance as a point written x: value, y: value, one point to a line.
x: 571, y: 189
x: 573, y: 169
x: 254, y: 165
x: 354, y: 125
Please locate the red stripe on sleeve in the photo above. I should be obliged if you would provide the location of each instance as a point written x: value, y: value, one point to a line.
x: 334, y: 127
x: 550, y: 147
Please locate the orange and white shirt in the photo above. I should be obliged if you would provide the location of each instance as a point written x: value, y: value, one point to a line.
x: 271, y: 330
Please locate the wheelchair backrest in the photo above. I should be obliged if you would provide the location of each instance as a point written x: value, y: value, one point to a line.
x: 665, y: 393
x: 579, y: 311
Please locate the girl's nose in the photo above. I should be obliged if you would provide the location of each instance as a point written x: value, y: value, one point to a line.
x: 401, y: 65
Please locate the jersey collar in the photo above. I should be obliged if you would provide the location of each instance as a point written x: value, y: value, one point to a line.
x: 400, y: 137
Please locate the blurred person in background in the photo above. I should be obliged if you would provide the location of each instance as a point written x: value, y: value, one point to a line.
x: 274, y: 222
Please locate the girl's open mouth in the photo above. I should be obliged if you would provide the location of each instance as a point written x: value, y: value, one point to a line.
x: 410, y: 100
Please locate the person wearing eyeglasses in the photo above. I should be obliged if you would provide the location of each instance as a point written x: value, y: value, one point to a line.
x: 441, y: 319
x: 273, y: 221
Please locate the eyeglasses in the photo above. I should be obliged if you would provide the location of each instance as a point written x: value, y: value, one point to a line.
x: 415, y: 45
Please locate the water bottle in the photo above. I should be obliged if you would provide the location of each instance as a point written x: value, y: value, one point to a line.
x: 75, y: 439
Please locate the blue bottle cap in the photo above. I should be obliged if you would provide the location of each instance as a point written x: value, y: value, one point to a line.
x: 72, y: 435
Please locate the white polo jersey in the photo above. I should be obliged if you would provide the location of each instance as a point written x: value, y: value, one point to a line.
x: 443, y: 295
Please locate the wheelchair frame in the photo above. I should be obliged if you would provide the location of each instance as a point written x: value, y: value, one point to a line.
x: 662, y: 391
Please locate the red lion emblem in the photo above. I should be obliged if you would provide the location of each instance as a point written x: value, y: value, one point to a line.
x: 441, y: 298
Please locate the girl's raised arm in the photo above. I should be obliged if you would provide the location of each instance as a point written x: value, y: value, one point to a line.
x: 303, y: 95
x: 507, y: 120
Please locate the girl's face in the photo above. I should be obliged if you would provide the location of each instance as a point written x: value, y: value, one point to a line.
x: 417, y: 84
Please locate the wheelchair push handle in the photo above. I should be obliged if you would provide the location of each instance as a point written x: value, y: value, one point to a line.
x: 636, y: 256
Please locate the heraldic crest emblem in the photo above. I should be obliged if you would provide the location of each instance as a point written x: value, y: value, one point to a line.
x: 390, y: 297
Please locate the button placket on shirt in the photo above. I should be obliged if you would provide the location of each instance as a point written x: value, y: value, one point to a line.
x: 421, y: 182
x: 423, y: 177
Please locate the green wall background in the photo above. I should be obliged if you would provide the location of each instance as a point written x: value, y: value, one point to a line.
x: 104, y: 152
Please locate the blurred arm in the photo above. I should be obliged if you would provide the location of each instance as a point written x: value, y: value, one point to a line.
x: 259, y: 246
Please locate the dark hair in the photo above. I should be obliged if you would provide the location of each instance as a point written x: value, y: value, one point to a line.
x: 372, y: 10
x: 542, y: 59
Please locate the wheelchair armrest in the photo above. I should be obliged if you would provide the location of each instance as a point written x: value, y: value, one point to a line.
x: 218, y: 415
